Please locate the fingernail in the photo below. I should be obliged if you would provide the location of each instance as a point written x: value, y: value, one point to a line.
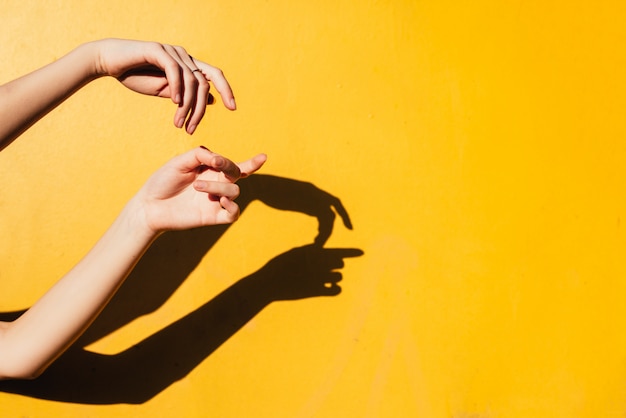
x: 180, y: 122
x: 177, y: 98
x: 191, y: 129
x: 233, y: 105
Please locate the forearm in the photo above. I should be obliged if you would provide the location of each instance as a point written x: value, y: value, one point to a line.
x: 29, y: 344
x: 27, y: 99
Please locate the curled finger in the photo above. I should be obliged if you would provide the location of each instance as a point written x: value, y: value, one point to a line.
x: 230, y: 211
x: 200, y: 93
x: 198, y: 108
x: 218, y: 163
x: 189, y: 85
x: 217, y: 189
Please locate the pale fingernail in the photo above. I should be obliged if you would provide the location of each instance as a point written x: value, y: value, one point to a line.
x: 191, y: 129
x: 177, y: 98
x: 233, y: 105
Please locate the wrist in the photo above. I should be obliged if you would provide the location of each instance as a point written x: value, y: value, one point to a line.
x: 94, y: 53
x: 83, y: 63
x: 134, y: 221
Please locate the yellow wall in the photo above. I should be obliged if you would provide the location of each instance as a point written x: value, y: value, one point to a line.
x: 478, y: 148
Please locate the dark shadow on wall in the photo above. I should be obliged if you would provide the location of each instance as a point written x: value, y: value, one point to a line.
x: 142, y: 371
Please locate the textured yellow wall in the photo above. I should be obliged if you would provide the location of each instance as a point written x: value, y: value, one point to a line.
x: 478, y: 148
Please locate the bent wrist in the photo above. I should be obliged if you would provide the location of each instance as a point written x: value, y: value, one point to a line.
x: 94, y: 57
x: 134, y: 221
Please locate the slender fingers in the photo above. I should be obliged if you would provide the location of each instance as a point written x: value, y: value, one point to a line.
x: 187, y: 78
x: 160, y: 56
x: 198, y: 108
x: 217, y: 190
x: 193, y: 90
x: 224, y: 193
x: 203, y: 157
x: 216, y: 76
x: 189, y: 85
x: 219, y: 163
x: 199, y: 96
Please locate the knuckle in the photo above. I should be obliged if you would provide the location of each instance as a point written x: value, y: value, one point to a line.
x: 193, y: 81
x: 203, y: 83
x: 217, y: 72
x: 155, y: 46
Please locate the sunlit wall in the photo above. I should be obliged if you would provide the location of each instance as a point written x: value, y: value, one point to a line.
x: 475, y: 148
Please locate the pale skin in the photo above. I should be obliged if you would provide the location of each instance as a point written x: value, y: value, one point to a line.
x: 191, y: 190
x: 145, y: 67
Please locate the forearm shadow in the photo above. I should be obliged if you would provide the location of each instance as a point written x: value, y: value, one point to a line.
x: 142, y: 371
x: 173, y: 256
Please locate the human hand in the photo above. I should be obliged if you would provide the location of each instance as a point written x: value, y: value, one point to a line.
x: 165, y: 71
x: 194, y: 189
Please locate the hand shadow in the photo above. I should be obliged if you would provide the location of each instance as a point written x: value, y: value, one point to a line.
x: 297, y: 196
x: 139, y: 373
x: 172, y: 257
x: 146, y: 369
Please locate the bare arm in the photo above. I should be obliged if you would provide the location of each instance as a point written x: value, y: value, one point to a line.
x: 27, y: 99
x: 194, y: 189
x: 145, y: 67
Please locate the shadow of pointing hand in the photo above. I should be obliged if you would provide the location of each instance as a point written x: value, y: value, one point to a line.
x: 173, y: 256
x: 301, y: 272
x: 142, y: 371
x: 297, y: 196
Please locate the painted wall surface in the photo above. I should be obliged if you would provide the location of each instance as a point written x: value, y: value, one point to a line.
x: 478, y: 149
